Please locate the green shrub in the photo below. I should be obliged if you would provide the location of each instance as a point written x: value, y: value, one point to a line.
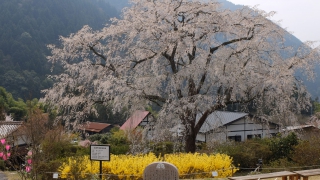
x: 51, y: 166
x: 275, y: 152
x: 282, y: 147
x: 246, y: 154
x: 167, y: 147
x: 2, y: 165
x: 94, y: 137
x: 119, y: 149
x: 282, y: 164
x: 307, y: 153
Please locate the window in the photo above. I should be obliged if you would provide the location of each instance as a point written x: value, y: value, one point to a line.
x: 273, y: 134
x: 253, y: 136
x: 236, y: 138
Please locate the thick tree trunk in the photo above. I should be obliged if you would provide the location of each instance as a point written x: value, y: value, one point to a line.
x: 190, y: 141
x: 192, y: 127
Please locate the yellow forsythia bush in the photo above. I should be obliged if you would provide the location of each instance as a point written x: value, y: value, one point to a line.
x: 124, y: 167
x: 196, y: 165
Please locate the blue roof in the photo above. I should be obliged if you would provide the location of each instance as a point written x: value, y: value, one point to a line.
x: 219, y: 118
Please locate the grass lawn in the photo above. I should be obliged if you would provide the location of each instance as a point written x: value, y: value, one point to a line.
x: 208, y: 178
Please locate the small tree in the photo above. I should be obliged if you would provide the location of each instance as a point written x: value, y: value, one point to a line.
x: 283, y: 147
x: 246, y: 154
x: 48, y: 144
x: 307, y: 152
x: 34, y: 131
x: 118, y: 141
x: 8, y: 105
x: 190, y: 58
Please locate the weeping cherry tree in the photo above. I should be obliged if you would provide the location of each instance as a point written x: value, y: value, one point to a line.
x: 190, y: 58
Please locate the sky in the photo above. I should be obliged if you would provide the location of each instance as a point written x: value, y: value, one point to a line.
x: 300, y: 17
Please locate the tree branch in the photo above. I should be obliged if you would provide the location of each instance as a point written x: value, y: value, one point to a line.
x: 193, y: 55
x: 170, y: 58
x: 98, y: 64
x: 111, y: 67
x: 178, y: 6
x: 154, y: 98
x: 201, y: 82
x: 142, y: 60
x: 205, y: 115
x: 191, y: 87
x: 212, y: 50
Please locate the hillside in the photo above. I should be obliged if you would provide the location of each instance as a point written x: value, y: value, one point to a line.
x: 28, y: 25
x: 118, y: 4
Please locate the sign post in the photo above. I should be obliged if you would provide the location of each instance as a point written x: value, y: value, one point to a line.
x: 100, y: 153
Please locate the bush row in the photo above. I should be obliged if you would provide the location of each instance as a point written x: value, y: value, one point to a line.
x: 123, y: 167
x: 281, y: 152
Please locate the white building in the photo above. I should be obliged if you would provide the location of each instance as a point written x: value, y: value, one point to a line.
x: 223, y: 125
x: 10, y: 130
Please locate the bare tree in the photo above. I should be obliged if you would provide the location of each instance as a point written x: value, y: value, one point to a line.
x: 185, y: 56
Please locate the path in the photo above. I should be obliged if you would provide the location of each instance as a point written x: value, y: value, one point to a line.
x: 3, y: 176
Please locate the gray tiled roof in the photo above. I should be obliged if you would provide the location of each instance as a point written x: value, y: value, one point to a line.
x: 8, y: 127
x: 219, y: 118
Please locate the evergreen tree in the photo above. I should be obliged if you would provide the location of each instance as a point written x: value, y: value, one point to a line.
x: 27, y: 26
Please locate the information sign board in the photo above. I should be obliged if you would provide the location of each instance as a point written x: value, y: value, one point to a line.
x: 214, y: 173
x: 100, y: 152
x: 55, y: 175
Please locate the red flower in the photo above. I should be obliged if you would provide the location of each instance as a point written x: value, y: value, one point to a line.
x: 3, y: 141
x: 7, y: 147
x: 28, y: 168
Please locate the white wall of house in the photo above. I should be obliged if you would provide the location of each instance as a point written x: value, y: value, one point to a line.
x: 17, y: 139
x: 239, y: 130
x: 9, y: 118
x: 210, y: 137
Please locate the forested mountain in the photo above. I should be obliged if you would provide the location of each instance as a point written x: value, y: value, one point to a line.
x: 28, y: 25
x: 119, y: 4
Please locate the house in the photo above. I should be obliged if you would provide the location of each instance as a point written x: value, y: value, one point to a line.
x: 304, y: 132
x: 140, y: 119
x: 137, y: 119
x: 177, y: 130
x: 9, y: 118
x: 11, y: 131
x: 237, y: 126
x: 90, y: 128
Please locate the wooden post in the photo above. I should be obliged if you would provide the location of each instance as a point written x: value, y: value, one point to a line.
x: 292, y: 177
x: 100, y: 153
x: 100, y: 170
x: 232, y: 172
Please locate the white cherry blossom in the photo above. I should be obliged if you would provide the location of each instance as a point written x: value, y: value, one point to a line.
x: 186, y: 56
